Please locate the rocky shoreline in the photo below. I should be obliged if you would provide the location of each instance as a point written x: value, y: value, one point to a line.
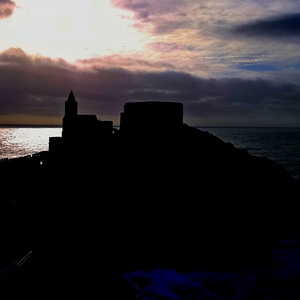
x: 186, y: 201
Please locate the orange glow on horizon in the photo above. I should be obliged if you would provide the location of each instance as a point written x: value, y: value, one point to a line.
x: 29, y: 120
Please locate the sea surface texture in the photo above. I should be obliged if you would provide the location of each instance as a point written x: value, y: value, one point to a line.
x: 23, y: 141
x: 281, y: 145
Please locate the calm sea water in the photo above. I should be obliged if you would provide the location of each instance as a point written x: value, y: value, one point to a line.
x: 22, y: 141
x: 281, y: 145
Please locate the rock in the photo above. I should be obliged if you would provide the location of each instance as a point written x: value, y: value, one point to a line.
x: 170, y: 198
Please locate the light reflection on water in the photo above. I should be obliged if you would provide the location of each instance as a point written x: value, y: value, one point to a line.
x: 281, y: 145
x: 16, y: 142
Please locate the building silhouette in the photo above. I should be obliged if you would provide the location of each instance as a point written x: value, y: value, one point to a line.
x: 151, y: 117
x: 79, y: 131
x: 82, y: 132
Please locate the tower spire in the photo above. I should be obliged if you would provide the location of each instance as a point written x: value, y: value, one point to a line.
x: 71, y: 97
x: 71, y: 105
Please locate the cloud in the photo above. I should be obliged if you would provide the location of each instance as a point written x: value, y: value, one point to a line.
x: 119, y: 61
x: 276, y: 27
x: 28, y: 83
x: 211, y: 38
x: 40, y: 85
x: 168, y: 16
x: 144, y: 9
x: 6, y: 8
x: 228, y: 64
x: 158, y: 17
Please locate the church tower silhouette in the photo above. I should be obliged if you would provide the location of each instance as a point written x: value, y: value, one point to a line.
x: 80, y: 131
x: 71, y: 105
x: 86, y: 133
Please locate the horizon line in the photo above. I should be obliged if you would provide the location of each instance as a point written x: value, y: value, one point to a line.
x: 196, y: 126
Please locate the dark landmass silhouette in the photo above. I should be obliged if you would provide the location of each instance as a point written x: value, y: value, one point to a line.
x: 142, y: 197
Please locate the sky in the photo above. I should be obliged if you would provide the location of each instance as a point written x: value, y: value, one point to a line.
x: 230, y: 62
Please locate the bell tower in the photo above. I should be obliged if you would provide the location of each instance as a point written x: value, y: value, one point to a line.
x: 69, y: 119
x: 71, y: 106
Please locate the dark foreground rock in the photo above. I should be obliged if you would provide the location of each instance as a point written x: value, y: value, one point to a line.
x: 186, y: 201
x: 65, y: 270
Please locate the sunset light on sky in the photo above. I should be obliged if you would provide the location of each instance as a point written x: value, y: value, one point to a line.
x: 69, y: 29
x: 231, y: 63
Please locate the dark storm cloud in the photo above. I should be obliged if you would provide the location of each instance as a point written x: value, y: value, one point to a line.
x: 6, y: 8
x: 37, y: 85
x: 27, y: 84
x: 282, y: 26
x: 235, y: 97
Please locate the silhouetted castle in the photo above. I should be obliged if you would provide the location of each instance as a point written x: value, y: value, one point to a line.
x: 85, y: 131
x: 151, y: 116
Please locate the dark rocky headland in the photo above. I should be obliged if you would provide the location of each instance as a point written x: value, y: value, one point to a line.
x: 142, y: 199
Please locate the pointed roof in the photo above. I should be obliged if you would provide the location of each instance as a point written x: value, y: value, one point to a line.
x: 71, y: 97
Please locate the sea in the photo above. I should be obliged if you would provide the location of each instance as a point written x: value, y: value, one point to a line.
x: 280, y: 144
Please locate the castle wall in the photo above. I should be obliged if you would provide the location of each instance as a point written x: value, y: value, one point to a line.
x: 151, y: 115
